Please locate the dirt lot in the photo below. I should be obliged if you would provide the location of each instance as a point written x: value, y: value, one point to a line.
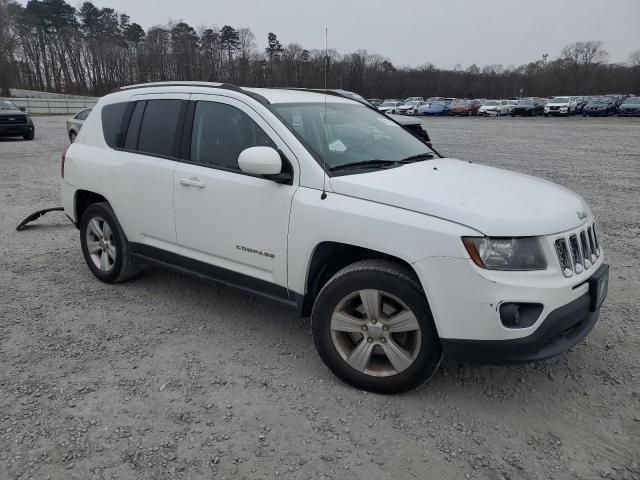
x: 171, y: 377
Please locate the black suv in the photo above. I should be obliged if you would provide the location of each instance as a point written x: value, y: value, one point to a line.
x: 14, y: 121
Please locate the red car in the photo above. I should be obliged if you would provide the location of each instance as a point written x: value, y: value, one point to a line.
x: 465, y: 107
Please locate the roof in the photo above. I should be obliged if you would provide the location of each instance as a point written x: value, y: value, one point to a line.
x: 272, y: 95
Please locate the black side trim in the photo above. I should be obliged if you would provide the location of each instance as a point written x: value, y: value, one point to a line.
x: 188, y: 266
x: 562, y: 329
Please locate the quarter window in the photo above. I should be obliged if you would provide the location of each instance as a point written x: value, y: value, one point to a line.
x: 158, y: 128
x: 221, y: 132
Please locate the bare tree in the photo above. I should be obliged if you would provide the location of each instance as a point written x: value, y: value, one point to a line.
x: 581, y: 57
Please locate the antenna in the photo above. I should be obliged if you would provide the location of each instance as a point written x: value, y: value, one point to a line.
x: 324, y: 118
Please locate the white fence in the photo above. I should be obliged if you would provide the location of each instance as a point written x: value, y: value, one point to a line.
x: 54, y: 106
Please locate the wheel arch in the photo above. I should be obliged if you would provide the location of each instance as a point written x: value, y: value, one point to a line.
x: 81, y: 201
x: 330, y: 257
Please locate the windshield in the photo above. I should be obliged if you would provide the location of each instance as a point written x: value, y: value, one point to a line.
x: 491, y: 103
x: 633, y: 100
x: 459, y: 103
x: 350, y: 133
x: 7, y: 105
x: 525, y: 101
x: 388, y: 103
x: 598, y: 101
x: 560, y: 100
x: 412, y: 103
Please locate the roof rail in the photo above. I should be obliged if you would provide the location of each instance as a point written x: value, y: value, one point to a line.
x: 227, y: 86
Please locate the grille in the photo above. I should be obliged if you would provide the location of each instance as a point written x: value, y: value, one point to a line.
x: 12, y: 119
x: 579, y: 251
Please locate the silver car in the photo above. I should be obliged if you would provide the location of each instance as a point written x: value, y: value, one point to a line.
x: 74, y: 124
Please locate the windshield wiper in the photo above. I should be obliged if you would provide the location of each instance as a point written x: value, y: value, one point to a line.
x: 365, y: 164
x: 417, y: 158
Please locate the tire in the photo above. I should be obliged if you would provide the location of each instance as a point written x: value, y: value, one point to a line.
x: 29, y: 136
x: 398, y: 289
x: 72, y: 136
x: 107, y: 267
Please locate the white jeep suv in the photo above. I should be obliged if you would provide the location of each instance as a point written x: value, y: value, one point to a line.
x: 399, y: 255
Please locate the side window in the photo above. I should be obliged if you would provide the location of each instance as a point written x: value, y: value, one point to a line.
x: 158, y: 129
x: 112, y: 127
x: 220, y: 132
x: 83, y: 114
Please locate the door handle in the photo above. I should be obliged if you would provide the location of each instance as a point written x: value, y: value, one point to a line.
x: 191, y: 182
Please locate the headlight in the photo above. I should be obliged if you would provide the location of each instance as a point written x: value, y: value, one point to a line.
x: 500, y: 253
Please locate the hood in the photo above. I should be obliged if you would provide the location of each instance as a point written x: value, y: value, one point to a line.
x: 12, y: 112
x: 493, y: 201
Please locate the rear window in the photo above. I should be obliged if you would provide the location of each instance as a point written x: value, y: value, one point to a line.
x: 158, y: 129
x: 112, y: 123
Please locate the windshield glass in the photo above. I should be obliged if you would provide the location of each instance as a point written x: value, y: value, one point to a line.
x: 525, y: 101
x: 491, y: 103
x: 388, y: 103
x: 560, y: 100
x: 598, y: 101
x: 459, y: 103
x: 350, y: 133
x: 633, y: 100
x: 7, y: 105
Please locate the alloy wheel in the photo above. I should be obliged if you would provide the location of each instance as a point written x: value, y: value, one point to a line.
x: 101, y: 244
x: 376, y: 333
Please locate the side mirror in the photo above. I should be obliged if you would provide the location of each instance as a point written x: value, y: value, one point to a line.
x: 264, y: 161
x: 22, y: 109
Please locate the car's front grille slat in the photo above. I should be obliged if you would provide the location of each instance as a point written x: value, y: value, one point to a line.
x: 578, y: 251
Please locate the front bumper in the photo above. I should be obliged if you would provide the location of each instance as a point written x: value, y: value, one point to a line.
x: 562, y: 329
x: 16, y: 130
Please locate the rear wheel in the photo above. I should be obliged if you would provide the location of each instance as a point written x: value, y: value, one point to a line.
x: 72, y: 136
x: 373, y: 328
x: 105, y: 246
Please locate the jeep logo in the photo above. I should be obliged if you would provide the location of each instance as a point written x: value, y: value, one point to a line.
x: 581, y: 214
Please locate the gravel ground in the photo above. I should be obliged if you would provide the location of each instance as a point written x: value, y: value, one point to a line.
x: 171, y: 377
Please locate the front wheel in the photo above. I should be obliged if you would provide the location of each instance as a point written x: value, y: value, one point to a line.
x: 373, y: 328
x: 72, y: 136
x: 29, y: 136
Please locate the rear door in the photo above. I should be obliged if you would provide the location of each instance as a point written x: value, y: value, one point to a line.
x: 230, y: 224
x: 139, y: 179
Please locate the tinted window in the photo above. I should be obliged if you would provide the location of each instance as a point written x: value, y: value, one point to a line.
x: 221, y: 132
x: 131, y: 142
x: 112, y: 127
x: 158, y: 129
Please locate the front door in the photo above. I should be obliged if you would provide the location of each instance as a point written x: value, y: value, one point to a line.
x: 229, y: 223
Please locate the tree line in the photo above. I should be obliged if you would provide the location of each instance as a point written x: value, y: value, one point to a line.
x: 51, y: 46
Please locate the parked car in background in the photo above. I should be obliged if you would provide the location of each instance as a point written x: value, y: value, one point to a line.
x: 376, y: 102
x: 560, y: 106
x: 464, y: 107
x: 495, y: 108
x: 410, y: 108
x: 512, y: 103
x: 74, y: 124
x: 15, y: 121
x: 630, y: 107
x: 414, y: 99
x: 526, y: 107
x: 439, y: 108
x: 390, y: 106
x: 599, y: 107
x: 580, y: 103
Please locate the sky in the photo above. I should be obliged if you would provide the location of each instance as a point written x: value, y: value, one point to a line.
x: 414, y: 32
